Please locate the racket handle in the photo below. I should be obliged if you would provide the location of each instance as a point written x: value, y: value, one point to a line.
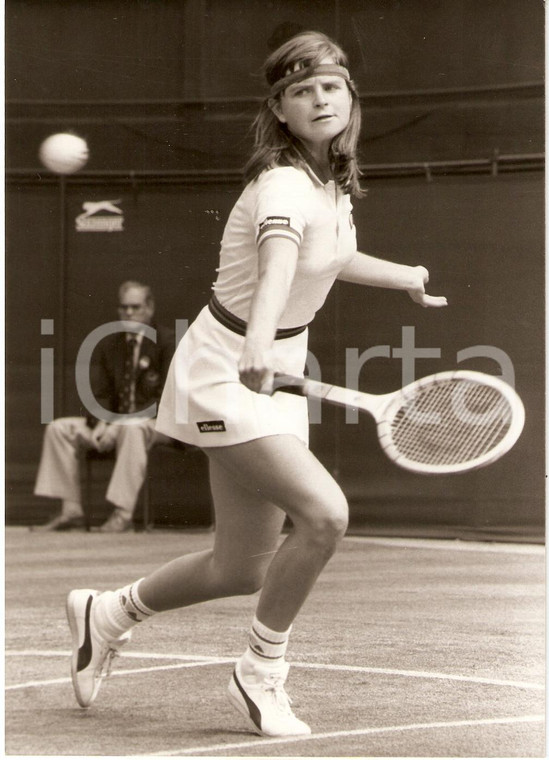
x: 288, y: 384
x: 305, y: 386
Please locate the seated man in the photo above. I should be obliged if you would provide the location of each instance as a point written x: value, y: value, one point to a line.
x: 128, y: 377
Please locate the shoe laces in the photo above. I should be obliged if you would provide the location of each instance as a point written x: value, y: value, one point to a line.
x: 107, y: 664
x: 104, y: 667
x: 274, y: 685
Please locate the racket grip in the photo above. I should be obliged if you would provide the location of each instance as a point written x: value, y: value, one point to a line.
x: 288, y: 384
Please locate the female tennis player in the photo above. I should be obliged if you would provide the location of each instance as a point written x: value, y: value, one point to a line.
x: 287, y: 239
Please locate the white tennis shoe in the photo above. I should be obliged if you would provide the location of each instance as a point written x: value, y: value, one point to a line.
x: 92, y: 654
x: 261, y: 698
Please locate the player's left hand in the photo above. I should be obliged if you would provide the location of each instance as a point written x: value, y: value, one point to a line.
x: 418, y: 294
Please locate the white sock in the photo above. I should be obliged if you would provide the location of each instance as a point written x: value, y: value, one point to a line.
x: 118, y: 611
x: 266, y: 648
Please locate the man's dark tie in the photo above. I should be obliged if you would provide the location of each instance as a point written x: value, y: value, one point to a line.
x: 126, y: 403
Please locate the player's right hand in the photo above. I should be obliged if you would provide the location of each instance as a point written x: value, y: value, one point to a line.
x: 255, y: 368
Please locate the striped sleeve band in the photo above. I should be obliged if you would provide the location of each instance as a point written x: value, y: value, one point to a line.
x: 277, y: 226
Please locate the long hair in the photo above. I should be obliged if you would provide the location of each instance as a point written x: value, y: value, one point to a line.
x: 274, y: 144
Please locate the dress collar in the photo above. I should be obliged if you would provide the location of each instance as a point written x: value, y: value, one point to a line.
x: 315, y: 170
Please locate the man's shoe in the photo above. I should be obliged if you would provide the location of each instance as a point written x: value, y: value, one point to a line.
x: 261, y: 699
x: 62, y: 522
x: 116, y: 523
x: 92, y: 654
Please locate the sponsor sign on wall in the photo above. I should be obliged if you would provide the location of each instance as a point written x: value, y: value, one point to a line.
x: 100, y: 216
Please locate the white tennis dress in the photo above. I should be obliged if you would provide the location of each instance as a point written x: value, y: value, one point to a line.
x: 204, y: 403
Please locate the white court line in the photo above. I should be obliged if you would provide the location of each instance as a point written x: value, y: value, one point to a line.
x: 422, y: 674
x: 347, y: 734
x: 131, y: 672
x: 205, y: 658
x: 451, y: 544
x: 192, y: 661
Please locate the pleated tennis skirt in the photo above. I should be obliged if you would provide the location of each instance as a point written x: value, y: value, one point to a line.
x: 205, y: 404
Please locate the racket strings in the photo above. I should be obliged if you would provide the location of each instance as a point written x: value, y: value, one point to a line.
x: 451, y: 422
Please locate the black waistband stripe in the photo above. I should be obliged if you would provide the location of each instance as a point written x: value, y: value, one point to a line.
x: 237, y: 325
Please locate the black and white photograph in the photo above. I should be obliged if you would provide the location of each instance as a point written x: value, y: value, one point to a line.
x: 274, y: 368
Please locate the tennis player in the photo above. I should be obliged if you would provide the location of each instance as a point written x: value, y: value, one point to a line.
x: 287, y: 239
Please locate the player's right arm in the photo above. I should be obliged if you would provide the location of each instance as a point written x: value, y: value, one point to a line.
x: 276, y: 269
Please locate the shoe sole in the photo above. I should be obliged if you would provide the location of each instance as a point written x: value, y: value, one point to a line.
x: 78, y: 614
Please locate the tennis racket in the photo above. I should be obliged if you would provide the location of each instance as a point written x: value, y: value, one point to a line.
x: 449, y: 422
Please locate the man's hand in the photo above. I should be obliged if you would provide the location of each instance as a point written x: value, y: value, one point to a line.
x: 102, y: 436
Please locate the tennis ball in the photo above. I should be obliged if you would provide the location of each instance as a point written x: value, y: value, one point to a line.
x: 64, y: 153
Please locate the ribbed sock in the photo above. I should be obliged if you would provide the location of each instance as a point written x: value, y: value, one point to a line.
x: 266, y: 648
x: 118, y: 611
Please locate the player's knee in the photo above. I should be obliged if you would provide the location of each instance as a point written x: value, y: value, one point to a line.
x: 334, y: 518
x: 331, y: 529
x: 328, y: 524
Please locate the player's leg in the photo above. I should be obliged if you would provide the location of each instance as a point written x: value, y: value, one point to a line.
x: 247, y: 531
x: 58, y: 472
x: 283, y: 470
x: 246, y: 482
x: 100, y: 623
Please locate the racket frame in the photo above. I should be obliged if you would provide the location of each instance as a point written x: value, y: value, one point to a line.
x: 383, y: 409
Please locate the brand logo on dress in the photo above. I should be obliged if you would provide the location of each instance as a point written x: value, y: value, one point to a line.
x: 272, y: 220
x: 213, y: 426
x: 92, y: 220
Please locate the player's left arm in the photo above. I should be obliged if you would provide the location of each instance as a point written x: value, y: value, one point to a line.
x: 364, y: 269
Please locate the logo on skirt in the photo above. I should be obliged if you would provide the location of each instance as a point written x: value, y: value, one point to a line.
x: 213, y: 426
